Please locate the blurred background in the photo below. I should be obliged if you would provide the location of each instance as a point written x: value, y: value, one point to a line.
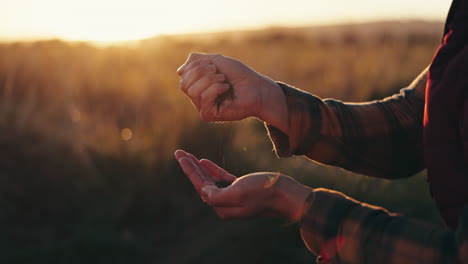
x: 91, y: 113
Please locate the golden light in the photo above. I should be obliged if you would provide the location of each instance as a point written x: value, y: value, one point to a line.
x: 107, y: 20
x: 126, y: 134
x: 102, y: 21
x: 119, y: 20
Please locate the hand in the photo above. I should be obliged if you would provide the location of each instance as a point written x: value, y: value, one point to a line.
x: 225, y: 89
x: 253, y: 195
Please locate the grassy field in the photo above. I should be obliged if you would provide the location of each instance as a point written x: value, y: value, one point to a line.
x: 87, y: 133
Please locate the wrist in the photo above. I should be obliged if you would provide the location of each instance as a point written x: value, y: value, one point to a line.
x: 291, y: 197
x: 273, y: 108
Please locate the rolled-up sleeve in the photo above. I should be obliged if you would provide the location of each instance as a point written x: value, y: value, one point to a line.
x: 381, y: 138
x: 342, y: 230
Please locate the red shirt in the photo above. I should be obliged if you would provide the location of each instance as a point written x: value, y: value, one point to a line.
x: 446, y: 117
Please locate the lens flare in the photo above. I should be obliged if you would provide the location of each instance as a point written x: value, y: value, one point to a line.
x: 126, y: 134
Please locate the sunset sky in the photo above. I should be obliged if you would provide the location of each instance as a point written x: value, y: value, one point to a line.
x: 106, y: 20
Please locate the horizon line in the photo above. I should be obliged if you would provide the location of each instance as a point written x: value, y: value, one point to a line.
x: 26, y: 39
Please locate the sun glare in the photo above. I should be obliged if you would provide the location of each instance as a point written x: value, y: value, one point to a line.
x: 110, y: 34
x: 119, y: 20
x: 107, y: 21
x: 101, y: 21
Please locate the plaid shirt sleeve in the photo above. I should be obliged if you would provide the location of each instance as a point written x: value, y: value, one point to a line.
x: 342, y: 230
x: 379, y: 138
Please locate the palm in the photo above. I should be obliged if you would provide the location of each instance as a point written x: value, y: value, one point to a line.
x: 247, y: 196
x: 256, y: 194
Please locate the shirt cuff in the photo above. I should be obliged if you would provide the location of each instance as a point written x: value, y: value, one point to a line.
x: 304, y: 123
x: 323, y: 214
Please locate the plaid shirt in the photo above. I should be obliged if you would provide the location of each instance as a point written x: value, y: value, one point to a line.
x: 380, y: 138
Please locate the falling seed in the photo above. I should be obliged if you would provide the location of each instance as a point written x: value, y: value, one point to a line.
x: 126, y: 134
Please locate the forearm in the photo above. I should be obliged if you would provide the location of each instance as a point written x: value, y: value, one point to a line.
x: 343, y: 230
x: 380, y: 138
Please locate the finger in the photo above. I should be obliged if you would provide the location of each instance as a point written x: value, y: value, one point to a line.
x: 192, y: 157
x: 192, y: 65
x: 205, y: 174
x: 183, y: 68
x: 191, y: 58
x: 191, y: 76
x: 217, y: 171
x: 195, y: 74
x: 195, y: 91
x: 209, y: 95
x: 180, y: 153
x: 208, y: 107
x: 187, y: 67
x: 192, y: 173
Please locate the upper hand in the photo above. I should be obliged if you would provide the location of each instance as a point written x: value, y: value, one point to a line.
x: 205, y: 77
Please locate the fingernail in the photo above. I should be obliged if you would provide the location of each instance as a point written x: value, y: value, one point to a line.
x: 177, y: 152
x: 179, y: 70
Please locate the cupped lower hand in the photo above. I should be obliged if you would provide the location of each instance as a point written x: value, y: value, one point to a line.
x: 249, y: 196
x: 225, y: 89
